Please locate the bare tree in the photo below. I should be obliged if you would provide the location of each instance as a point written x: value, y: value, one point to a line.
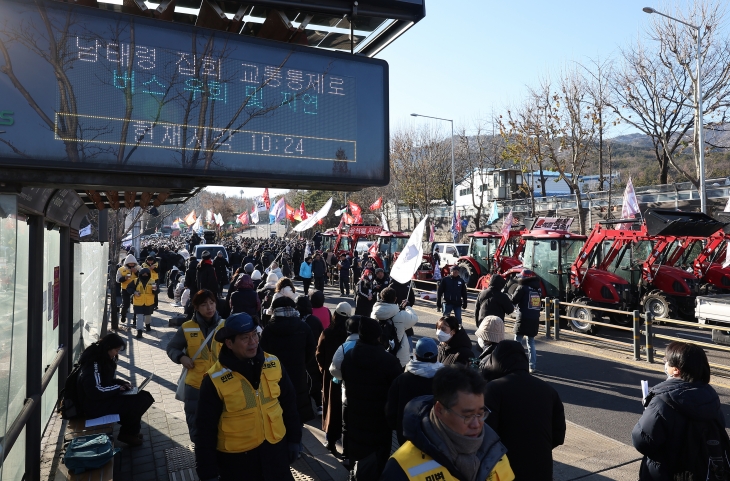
x: 598, y: 82
x: 678, y: 55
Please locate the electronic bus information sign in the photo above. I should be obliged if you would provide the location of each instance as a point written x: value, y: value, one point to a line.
x: 98, y: 92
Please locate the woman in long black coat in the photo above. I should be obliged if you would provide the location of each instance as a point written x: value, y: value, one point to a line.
x: 291, y: 340
x: 455, y: 346
x: 206, y: 277
x: 332, y: 338
x: 365, y: 296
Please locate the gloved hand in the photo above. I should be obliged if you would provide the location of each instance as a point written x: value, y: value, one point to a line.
x: 463, y: 306
x: 294, y: 450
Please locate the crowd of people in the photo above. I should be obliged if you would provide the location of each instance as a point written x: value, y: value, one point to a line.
x: 266, y: 357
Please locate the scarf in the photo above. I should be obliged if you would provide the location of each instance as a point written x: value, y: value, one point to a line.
x: 462, y: 450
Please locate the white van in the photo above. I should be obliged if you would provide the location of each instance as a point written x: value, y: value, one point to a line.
x: 450, y: 252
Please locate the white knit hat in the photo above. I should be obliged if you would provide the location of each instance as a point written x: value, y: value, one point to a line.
x: 491, y: 329
x: 130, y: 260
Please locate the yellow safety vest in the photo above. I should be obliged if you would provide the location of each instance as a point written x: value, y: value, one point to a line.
x: 249, y: 416
x: 153, y: 275
x: 122, y: 272
x: 147, y: 295
x: 207, y: 357
x: 419, y: 466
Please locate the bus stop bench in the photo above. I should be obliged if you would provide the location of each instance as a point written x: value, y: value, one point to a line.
x: 74, y: 429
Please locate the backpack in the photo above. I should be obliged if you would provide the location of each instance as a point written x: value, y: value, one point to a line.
x: 705, y: 454
x: 70, y: 396
x: 389, y: 339
x: 86, y: 453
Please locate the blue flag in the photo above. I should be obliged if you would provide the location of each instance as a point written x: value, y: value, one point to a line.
x: 494, y: 215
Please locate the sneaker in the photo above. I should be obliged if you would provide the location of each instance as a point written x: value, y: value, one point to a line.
x: 130, y: 439
x: 319, y: 410
x: 533, y: 369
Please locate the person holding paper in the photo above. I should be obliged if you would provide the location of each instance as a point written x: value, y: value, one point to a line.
x: 101, y: 391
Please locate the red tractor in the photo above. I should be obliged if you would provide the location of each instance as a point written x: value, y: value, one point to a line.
x: 490, y: 253
x: 636, y: 255
x: 345, y: 240
x: 705, y: 258
x: 389, y: 245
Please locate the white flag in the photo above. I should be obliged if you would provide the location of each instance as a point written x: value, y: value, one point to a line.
x: 219, y: 219
x: 307, y: 250
x: 255, y: 217
x: 727, y: 206
x: 310, y: 221
x: 209, y: 217
x: 85, y: 231
x: 260, y: 204
x: 410, y: 257
x: 384, y: 221
x: 630, y: 206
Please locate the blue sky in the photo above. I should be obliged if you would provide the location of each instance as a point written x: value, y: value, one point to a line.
x: 468, y: 58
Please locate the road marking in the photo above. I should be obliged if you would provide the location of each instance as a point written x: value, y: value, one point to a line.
x: 696, y: 336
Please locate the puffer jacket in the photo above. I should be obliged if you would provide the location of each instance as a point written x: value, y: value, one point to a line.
x: 402, y: 320
x: 245, y: 298
x: 416, y: 423
x: 659, y: 434
x: 492, y: 301
x: 526, y: 299
x: 526, y: 412
x: 457, y: 350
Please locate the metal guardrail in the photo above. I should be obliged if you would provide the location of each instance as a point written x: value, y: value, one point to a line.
x: 31, y: 404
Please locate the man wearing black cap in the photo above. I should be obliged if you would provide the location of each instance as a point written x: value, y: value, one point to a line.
x: 368, y: 371
x: 247, y: 422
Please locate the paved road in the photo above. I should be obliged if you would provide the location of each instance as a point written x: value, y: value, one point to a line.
x: 600, y: 388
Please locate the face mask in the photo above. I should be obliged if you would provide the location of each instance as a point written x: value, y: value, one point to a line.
x: 481, y: 342
x: 442, y: 336
x: 666, y: 371
x: 370, y: 277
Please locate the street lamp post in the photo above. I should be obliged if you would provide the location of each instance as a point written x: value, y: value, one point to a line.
x: 453, y: 178
x: 698, y: 106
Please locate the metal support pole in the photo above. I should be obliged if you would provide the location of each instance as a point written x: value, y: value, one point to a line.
x: 556, y: 318
x: 636, y: 317
x: 547, y: 317
x: 649, y: 337
x: 65, y: 326
x: 700, y: 126
x: 34, y: 369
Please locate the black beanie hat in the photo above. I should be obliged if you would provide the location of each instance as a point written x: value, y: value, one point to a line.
x: 370, y: 330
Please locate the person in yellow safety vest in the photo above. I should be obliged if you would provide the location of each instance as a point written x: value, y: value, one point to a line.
x: 125, y: 275
x: 247, y: 422
x: 186, y: 342
x: 447, y: 437
x: 143, y: 292
x: 151, y: 264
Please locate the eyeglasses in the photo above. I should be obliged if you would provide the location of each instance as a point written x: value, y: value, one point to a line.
x: 251, y: 338
x: 468, y: 419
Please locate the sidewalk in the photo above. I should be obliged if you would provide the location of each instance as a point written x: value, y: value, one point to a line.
x: 167, y: 453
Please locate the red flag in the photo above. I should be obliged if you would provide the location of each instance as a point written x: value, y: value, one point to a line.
x: 267, y: 201
x: 290, y: 212
x: 357, y: 219
x: 348, y: 218
x: 253, y: 209
x: 354, y: 208
x: 303, y: 211
x: 377, y: 204
x: 243, y: 218
x: 373, y: 251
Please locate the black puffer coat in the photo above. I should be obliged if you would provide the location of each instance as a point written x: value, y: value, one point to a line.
x: 492, y: 301
x: 292, y: 341
x: 457, y: 350
x: 527, y: 307
x: 527, y: 412
x: 659, y: 434
x: 368, y: 372
x: 206, y: 277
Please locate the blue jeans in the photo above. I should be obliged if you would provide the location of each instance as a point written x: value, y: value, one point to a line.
x: 530, y: 349
x: 457, y: 311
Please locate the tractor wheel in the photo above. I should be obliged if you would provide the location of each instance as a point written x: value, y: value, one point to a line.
x: 586, y: 314
x: 511, y: 287
x: 660, y: 305
x: 468, y: 274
